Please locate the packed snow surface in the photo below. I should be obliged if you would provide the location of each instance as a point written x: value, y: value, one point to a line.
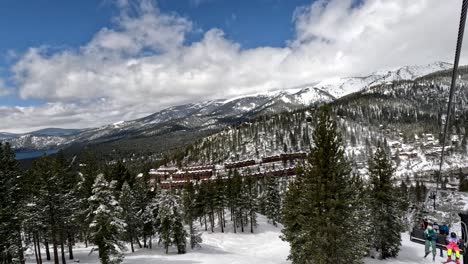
x: 264, y: 246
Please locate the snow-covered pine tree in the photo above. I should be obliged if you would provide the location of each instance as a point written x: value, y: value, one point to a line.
x: 147, y: 218
x: 385, y: 207
x: 190, y: 214
x: 319, y: 212
x: 293, y: 231
x: 220, y: 201
x: 87, y: 176
x: 67, y: 209
x: 200, y: 203
x: 272, y: 200
x: 106, y: 224
x: 251, y: 199
x: 171, y: 228
x: 12, y: 197
x: 129, y: 210
x: 48, y: 194
x: 179, y: 238
x: 166, y: 220
x: 241, y: 205
x: 146, y: 203
x: 120, y: 174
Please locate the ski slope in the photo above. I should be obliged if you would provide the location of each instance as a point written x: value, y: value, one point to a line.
x: 262, y: 247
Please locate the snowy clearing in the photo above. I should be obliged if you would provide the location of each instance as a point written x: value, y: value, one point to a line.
x: 262, y: 247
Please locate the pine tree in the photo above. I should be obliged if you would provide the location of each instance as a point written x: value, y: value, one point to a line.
x: 11, y: 202
x: 179, y: 238
x: 272, y: 200
x: 129, y: 210
x: 87, y: 176
x: 48, y: 192
x: 190, y: 213
x: 385, y: 204
x: 294, y: 226
x: 171, y: 228
x: 106, y: 225
x: 146, y: 203
x: 251, y: 200
x: 318, y: 214
x: 220, y: 201
x: 120, y: 174
x: 165, y: 219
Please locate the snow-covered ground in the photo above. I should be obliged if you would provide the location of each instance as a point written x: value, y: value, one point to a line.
x: 410, y: 253
x: 262, y: 247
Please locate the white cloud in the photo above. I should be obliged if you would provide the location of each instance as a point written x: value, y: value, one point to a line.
x: 144, y: 64
x: 4, y: 90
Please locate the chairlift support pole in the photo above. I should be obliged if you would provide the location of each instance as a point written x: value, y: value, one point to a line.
x: 464, y: 224
x: 461, y: 30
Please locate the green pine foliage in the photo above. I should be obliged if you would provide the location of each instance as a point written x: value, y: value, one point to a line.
x: 385, y: 206
x: 107, y: 224
x: 129, y: 216
x: 190, y: 214
x: 250, y: 186
x: 272, y: 200
x: 170, y: 218
x: 12, y: 190
x: 318, y: 214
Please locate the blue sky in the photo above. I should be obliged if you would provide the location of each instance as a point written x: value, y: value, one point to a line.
x: 67, y: 24
x: 87, y: 63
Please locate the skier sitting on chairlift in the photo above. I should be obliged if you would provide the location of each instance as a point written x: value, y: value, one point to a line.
x: 452, y: 245
x: 431, y: 239
x: 443, y: 230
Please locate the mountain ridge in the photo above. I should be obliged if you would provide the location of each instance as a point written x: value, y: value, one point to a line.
x: 215, y: 114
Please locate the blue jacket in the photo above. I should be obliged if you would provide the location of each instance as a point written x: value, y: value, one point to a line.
x: 430, y: 235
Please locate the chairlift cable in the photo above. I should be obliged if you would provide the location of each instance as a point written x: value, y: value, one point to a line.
x: 461, y: 30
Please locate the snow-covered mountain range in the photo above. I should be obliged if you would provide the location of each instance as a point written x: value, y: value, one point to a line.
x: 212, y: 115
x: 339, y: 87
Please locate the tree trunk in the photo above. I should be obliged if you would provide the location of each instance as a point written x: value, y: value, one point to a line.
x: 151, y: 242
x: 35, y: 250
x: 251, y: 222
x: 224, y: 218
x: 191, y: 234
x: 62, y: 249
x: 138, y: 241
x: 212, y: 222
x: 38, y: 249
x: 20, y: 248
x: 131, y: 244
x: 70, y: 246
x: 242, y: 222
x: 46, y: 244
x: 144, y: 241
x: 221, y: 222
x: 56, y: 257
x: 206, y: 227
x: 234, y: 224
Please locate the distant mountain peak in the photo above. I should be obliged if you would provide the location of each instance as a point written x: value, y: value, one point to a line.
x: 339, y: 87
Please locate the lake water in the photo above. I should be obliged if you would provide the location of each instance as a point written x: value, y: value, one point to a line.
x: 34, y: 154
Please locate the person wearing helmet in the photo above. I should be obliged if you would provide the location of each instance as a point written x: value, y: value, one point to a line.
x: 431, y: 238
x: 452, y: 245
x: 443, y: 230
